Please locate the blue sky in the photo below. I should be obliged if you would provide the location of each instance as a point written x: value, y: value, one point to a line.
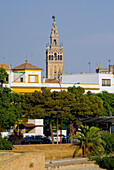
x: 85, y: 27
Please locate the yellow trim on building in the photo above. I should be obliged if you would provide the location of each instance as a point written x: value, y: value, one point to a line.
x: 33, y: 70
x: 71, y: 83
x: 91, y: 88
x: 26, y: 70
x: 25, y: 89
x: 105, y: 73
x: 17, y: 82
x: 36, y: 78
x: 67, y: 87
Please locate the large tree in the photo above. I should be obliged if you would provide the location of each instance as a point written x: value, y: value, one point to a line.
x: 86, y: 104
x: 39, y: 105
x: 10, y: 108
x: 48, y: 105
x: 3, y: 76
x: 33, y: 105
x: 108, y: 103
x: 64, y: 102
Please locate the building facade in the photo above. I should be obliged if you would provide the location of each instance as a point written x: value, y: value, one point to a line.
x: 25, y: 78
x: 54, y: 55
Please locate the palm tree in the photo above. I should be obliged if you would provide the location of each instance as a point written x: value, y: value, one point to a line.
x: 89, y: 141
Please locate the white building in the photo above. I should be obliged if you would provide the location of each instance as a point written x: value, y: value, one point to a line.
x: 95, y: 82
x: 26, y: 78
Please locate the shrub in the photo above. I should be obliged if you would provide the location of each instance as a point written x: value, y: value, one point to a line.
x: 4, y: 144
x: 109, y: 139
x: 105, y: 162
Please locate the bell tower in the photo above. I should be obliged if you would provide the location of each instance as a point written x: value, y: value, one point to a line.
x: 54, y: 55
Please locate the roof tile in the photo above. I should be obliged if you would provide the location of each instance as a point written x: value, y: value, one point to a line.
x: 26, y: 65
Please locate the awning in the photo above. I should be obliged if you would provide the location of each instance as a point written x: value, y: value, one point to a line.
x: 101, y: 119
x: 24, y: 126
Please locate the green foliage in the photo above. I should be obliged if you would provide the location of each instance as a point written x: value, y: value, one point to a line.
x: 108, y: 103
x: 64, y: 105
x: 3, y: 76
x: 78, y: 91
x: 5, y: 145
x: 32, y: 105
x: 109, y: 140
x: 10, y: 108
x: 106, y: 162
x: 71, y: 104
x: 85, y: 104
x: 48, y: 104
x: 89, y: 141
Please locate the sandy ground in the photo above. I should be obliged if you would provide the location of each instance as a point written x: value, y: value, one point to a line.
x: 52, y: 151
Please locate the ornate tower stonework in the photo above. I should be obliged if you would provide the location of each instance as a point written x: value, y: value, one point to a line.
x: 54, y: 55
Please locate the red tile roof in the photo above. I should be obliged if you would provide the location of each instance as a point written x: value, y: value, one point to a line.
x: 26, y: 65
x: 5, y: 66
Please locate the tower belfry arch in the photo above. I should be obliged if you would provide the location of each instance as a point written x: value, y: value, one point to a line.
x: 54, y: 54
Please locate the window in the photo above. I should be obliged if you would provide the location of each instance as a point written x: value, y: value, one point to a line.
x: 52, y: 57
x: 32, y: 78
x: 60, y: 57
x: 54, y: 42
x: 49, y: 57
x: 21, y: 79
x: 106, y: 82
x: 55, y: 56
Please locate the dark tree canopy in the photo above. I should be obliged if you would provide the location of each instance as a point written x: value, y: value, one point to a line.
x: 108, y: 103
x: 3, y: 76
x: 73, y: 103
x: 32, y: 105
x: 10, y: 108
x: 86, y: 104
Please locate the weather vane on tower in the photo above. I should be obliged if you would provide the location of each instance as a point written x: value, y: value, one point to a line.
x: 53, y: 17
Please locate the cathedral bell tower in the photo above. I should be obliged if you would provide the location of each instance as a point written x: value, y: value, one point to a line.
x: 54, y: 55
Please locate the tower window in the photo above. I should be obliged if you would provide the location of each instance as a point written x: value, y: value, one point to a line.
x: 55, y: 56
x: 52, y: 57
x: 54, y: 31
x: 60, y: 57
x: 54, y: 42
x: 49, y: 57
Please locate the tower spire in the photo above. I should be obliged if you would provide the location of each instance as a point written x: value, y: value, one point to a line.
x: 54, y: 54
x: 54, y: 35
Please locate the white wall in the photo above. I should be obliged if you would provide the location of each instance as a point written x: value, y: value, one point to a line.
x: 86, y: 78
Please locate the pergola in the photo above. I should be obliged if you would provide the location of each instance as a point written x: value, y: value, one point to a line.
x: 99, y: 120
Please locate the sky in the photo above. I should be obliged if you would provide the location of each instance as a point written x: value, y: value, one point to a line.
x: 85, y: 27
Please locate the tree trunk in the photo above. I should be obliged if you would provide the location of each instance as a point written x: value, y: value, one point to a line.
x: 86, y: 151
x: 60, y: 130
x: 52, y: 137
x: 70, y: 130
x: 57, y: 128
x: 83, y: 151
